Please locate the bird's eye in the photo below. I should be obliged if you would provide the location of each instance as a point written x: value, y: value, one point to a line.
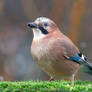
x: 45, y: 24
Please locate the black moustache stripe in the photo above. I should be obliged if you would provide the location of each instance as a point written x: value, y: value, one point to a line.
x: 44, y: 31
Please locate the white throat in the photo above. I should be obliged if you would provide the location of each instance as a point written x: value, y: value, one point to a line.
x: 37, y: 34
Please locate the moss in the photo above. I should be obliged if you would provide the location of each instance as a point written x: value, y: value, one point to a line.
x: 44, y: 86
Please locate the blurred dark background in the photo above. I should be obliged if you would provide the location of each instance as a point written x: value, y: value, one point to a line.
x: 74, y: 18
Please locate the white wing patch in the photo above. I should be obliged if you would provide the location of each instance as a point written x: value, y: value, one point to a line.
x: 83, y: 57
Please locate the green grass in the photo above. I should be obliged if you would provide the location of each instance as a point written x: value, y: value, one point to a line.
x: 44, y: 86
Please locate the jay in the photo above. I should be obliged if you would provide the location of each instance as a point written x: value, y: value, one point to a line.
x: 54, y: 52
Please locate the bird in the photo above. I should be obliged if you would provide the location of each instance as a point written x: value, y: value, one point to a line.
x: 54, y: 52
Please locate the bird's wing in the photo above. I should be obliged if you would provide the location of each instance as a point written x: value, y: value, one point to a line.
x: 70, y: 51
x: 73, y: 54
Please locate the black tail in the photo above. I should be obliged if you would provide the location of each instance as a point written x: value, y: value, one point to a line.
x: 87, y: 68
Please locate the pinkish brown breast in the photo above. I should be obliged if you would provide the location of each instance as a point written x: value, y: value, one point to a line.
x: 49, y: 54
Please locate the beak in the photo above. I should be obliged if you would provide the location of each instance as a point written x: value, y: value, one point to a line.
x: 32, y: 25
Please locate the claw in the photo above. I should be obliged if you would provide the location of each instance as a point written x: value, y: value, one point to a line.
x: 51, y: 79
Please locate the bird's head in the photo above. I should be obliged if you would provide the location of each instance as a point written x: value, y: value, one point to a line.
x: 42, y: 26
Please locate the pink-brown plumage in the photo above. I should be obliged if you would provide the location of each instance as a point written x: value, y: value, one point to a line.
x: 50, y: 54
x: 51, y: 51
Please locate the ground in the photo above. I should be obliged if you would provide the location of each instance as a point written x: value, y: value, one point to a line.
x: 44, y: 86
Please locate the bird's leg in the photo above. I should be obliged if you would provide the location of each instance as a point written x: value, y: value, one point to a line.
x: 51, y: 79
x: 73, y: 79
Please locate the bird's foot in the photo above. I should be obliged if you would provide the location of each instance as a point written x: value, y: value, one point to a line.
x: 73, y: 80
x: 51, y: 79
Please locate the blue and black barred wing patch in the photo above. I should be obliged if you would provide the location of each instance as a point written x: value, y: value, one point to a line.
x: 79, y: 58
